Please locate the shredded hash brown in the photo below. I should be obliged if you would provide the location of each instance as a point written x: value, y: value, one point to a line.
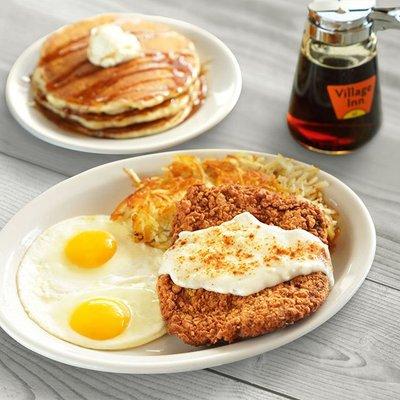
x: 151, y: 208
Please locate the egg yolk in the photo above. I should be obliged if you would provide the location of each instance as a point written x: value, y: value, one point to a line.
x: 91, y: 249
x: 100, y: 318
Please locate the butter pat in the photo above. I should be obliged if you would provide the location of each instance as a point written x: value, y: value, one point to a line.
x: 109, y: 45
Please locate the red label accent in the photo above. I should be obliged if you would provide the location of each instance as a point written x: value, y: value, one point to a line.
x: 353, y: 100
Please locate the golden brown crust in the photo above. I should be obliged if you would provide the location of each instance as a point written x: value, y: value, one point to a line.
x: 200, y: 317
x: 204, y: 207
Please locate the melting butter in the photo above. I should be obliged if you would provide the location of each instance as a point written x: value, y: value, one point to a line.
x: 110, y: 45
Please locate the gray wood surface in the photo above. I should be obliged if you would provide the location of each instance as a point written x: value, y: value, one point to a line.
x: 356, y: 354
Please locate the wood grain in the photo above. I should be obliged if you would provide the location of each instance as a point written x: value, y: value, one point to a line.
x: 21, y: 182
x: 356, y: 353
x: 358, y: 347
x: 25, y: 375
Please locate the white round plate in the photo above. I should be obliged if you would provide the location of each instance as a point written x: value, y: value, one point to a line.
x: 224, y: 82
x: 97, y: 191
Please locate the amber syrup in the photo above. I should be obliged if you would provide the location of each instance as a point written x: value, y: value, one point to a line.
x: 334, y: 109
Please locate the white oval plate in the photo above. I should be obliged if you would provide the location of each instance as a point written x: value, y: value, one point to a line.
x: 97, y: 191
x: 224, y: 86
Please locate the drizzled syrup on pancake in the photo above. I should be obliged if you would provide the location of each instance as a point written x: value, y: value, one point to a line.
x: 72, y: 126
x: 66, y: 83
x: 62, y: 51
x: 176, y: 65
x: 67, y: 67
x: 201, y: 97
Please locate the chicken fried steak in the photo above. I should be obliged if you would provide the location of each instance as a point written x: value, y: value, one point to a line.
x: 201, y: 317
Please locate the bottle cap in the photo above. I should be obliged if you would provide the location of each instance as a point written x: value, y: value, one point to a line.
x: 346, y: 22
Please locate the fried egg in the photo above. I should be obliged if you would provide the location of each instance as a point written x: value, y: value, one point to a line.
x: 85, y: 281
x: 244, y: 256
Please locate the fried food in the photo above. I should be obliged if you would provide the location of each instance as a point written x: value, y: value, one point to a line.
x: 203, y: 207
x: 152, y: 207
x: 201, y: 317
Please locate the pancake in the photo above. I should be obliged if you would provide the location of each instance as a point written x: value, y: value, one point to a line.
x: 68, y: 80
x: 98, y: 121
x: 130, y: 131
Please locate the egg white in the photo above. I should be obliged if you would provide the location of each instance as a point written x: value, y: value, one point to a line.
x: 50, y: 286
x: 145, y: 325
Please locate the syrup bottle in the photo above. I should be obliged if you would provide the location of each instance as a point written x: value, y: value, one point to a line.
x: 335, y: 105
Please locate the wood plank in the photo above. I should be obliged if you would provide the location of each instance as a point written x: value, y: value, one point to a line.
x: 264, y: 36
x: 20, y: 182
x: 356, y: 348
x: 25, y: 375
x: 352, y: 356
x: 266, y: 48
x: 356, y: 353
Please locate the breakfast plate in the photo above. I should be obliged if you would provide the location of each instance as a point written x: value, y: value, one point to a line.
x: 224, y: 84
x: 97, y: 191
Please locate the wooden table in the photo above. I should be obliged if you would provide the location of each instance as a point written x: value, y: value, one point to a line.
x: 355, y: 355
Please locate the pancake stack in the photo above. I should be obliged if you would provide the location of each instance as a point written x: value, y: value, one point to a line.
x: 143, y: 96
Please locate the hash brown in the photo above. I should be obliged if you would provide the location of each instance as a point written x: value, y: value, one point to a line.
x: 151, y: 208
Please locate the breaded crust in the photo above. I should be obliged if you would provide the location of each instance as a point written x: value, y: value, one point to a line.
x: 203, y: 207
x: 200, y: 317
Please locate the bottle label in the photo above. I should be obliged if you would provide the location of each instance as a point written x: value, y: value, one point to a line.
x: 353, y: 100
